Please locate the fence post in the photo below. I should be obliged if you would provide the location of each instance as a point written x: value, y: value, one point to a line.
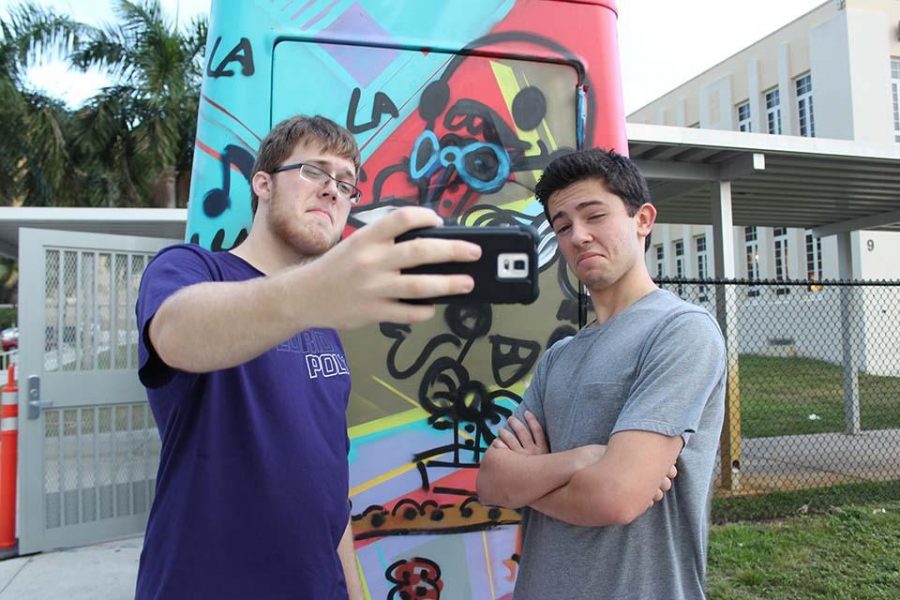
x: 730, y: 442
x: 726, y: 314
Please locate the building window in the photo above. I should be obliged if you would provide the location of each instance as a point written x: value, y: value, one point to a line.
x: 660, y: 261
x: 743, y: 116
x: 805, y: 106
x: 779, y: 235
x: 751, y: 250
x: 679, y: 264
x: 813, y: 261
x: 773, y: 111
x: 702, y: 266
x: 895, y: 92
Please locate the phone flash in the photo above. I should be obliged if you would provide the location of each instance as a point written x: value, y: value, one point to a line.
x: 512, y: 265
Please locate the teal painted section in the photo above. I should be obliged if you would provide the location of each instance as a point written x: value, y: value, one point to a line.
x: 237, y: 108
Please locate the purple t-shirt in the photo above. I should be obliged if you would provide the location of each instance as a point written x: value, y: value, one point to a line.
x: 252, y: 489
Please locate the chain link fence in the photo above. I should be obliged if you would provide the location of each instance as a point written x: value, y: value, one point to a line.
x: 814, y: 381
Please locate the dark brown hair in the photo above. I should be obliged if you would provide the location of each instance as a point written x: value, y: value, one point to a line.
x: 617, y: 172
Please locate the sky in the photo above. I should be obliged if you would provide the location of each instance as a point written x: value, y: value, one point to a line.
x: 663, y: 43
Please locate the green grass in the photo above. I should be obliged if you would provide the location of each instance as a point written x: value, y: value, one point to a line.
x: 837, y: 542
x: 848, y: 552
x: 781, y: 505
x: 778, y: 395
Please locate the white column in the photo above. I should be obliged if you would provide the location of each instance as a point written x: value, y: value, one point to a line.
x: 661, y: 114
x: 757, y: 108
x: 726, y: 314
x: 740, y: 260
x: 680, y: 112
x: 710, y: 250
x: 786, y: 93
x: 668, y: 250
x: 690, y: 252
x: 723, y: 223
x: 766, y: 248
x: 796, y: 255
x: 850, y: 336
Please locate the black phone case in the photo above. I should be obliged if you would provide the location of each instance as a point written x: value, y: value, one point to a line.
x: 494, y: 240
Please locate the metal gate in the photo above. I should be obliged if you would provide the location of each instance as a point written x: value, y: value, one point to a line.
x: 88, y: 445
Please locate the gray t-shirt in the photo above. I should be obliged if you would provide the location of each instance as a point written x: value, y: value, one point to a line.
x: 657, y: 366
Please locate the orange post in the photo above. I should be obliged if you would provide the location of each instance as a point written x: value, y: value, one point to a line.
x: 9, y: 442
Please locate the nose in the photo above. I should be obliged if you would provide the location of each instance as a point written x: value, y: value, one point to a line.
x: 329, y: 188
x: 580, y: 234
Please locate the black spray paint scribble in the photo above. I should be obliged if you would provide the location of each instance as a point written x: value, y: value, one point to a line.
x: 241, y: 53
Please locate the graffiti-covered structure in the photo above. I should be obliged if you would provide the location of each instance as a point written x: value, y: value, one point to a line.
x: 456, y: 106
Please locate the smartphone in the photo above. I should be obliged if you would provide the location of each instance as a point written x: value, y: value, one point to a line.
x: 506, y: 273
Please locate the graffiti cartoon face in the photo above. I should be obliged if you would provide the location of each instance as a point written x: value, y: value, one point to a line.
x: 471, y: 146
x: 480, y: 134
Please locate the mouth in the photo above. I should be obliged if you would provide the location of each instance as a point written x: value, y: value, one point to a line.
x: 582, y: 257
x: 322, y: 212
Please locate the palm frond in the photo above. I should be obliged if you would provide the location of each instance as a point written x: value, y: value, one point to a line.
x: 33, y: 34
x: 127, y: 144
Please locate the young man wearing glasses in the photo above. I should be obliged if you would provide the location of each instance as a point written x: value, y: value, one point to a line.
x: 248, y: 382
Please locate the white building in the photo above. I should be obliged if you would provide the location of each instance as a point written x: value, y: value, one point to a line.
x: 832, y: 73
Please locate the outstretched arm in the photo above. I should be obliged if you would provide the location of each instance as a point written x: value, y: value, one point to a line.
x: 217, y: 325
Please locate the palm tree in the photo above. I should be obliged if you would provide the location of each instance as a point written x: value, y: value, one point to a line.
x: 141, y: 129
x: 35, y: 163
x: 131, y: 144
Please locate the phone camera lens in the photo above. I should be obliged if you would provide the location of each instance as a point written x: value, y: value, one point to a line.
x: 519, y: 265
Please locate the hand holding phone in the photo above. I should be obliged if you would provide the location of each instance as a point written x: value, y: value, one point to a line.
x: 506, y: 273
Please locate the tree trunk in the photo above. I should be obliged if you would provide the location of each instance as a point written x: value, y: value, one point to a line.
x: 164, y: 189
x: 183, y: 188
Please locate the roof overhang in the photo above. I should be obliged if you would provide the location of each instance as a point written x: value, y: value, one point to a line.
x: 166, y: 223
x: 830, y: 186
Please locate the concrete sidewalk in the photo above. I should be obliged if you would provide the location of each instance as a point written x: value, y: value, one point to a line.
x: 819, y: 460
x: 102, y: 572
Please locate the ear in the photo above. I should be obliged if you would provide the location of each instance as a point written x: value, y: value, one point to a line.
x: 645, y: 217
x: 262, y: 185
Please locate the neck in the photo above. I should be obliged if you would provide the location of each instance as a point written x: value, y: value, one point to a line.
x: 630, y: 288
x: 268, y: 253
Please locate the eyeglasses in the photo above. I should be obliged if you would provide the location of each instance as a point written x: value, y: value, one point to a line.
x: 314, y: 174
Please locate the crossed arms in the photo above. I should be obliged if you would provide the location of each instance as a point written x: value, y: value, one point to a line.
x: 590, y: 485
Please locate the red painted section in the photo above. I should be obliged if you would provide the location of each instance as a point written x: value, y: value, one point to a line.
x: 461, y: 479
x: 571, y: 32
x: 589, y: 37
